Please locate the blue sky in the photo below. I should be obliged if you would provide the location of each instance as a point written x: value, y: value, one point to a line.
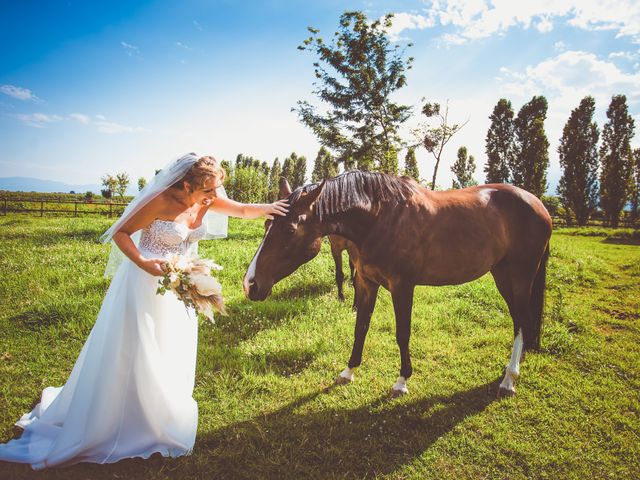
x: 88, y: 88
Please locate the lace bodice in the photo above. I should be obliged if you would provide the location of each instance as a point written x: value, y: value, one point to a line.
x: 165, y: 237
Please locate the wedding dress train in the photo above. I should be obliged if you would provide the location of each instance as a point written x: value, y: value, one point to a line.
x: 130, y: 391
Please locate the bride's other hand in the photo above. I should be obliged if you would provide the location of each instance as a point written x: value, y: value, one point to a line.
x: 281, y: 207
x: 153, y: 266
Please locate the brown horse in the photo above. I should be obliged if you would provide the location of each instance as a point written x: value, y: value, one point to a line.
x: 405, y: 236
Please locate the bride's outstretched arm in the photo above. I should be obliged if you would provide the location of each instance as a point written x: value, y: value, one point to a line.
x: 232, y: 208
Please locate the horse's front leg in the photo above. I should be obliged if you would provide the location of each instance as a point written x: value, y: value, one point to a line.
x: 365, y: 293
x: 402, y: 304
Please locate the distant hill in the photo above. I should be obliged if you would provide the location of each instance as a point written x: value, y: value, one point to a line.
x: 28, y: 184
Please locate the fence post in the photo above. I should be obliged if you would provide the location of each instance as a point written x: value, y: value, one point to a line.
x: 75, y: 209
x: 5, y: 206
x: 42, y: 209
x: 110, y: 209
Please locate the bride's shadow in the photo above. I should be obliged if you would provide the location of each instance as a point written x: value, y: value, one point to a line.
x: 299, y: 441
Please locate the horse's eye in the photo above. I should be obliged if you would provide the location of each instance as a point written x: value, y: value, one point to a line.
x: 291, y: 229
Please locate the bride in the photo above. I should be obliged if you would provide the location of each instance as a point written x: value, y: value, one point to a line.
x: 130, y: 391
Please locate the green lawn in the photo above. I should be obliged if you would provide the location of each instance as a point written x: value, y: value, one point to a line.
x: 268, y: 406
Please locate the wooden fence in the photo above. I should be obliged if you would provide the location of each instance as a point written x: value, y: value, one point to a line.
x: 72, y: 208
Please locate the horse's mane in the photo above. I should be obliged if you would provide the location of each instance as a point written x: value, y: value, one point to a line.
x: 357, y: 189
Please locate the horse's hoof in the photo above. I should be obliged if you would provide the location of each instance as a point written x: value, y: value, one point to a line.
x: 506, y: 393
x: 343, y: 380
x: 399, y: 393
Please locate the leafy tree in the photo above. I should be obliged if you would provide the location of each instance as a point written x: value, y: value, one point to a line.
x: 500, y: 143
x: 635, y: 198
x: 529, y: 165
x: 287, y: 168
x: 578, y: 152
x: 141, y: 183
x: 299, y: 175
x: 88, y: 197
x: 110, y: 183
x: 463, y: 169
x: 324, y: 166
x: 356, y: 75
x: 617, y: 159
x: 106, y: 193
x: 274, y: 180
x: 411, y: 164
x: 435, y: 138
x: 122, y: 183
x: 389, y: 162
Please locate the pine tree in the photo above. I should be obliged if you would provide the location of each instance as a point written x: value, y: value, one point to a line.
x: 529, y: 166
x: 578, y: 152
x: 274, y: 180
x: 411, y: 164
x: 463, y: 169
x: 356, y: 75
x: 324, y: 166
x: 500, y: 143
x: 617, y: 159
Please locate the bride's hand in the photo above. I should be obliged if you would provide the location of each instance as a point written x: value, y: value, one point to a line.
x: 153, y: 266
x: 281, y: 207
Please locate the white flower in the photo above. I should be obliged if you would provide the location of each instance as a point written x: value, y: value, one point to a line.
x: 205, y: 285
x: 174, y: 280
x: 183, y: 263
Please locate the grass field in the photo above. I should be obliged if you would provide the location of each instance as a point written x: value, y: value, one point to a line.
x: 268, y: 407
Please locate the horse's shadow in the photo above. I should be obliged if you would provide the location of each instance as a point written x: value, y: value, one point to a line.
x: 291, y: 442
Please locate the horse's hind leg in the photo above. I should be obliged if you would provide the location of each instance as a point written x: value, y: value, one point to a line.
x: 503, y: 279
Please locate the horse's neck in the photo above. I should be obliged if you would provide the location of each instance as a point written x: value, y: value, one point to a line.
x: 354, y: 225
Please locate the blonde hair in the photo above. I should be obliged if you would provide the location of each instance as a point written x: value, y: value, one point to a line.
x: 204, y: 168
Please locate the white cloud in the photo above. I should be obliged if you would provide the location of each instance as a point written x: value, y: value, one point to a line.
x: 18, y: 92
x: 476, y: 19
x: 183, y: 46
x: 407, y: 21
x: 197, y: 25
x: 559, y: 46
x: 79, y: 117
x: 115, y: 128
x: 130, y: 50
x: 38, y: 120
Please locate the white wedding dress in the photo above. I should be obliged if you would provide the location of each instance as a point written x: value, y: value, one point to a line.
x: 130, y: 391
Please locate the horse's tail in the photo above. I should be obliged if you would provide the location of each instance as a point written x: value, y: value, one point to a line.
x: 536, y: 304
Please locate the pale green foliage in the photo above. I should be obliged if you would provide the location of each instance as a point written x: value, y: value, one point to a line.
x: 324, y: 166
x: 463, y: 169
x: 411, y: 164
x: 141, y: 183
x: 122, y: 183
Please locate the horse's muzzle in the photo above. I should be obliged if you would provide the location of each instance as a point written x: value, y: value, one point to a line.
x: 253, y: 291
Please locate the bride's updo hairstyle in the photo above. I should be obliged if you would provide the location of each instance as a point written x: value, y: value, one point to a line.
x: 204, y: 168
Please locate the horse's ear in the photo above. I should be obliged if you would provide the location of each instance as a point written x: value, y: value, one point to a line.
x: 309, y: 199
x: 285, y: 188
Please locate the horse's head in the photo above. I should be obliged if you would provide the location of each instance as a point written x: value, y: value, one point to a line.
x: 288, y: 242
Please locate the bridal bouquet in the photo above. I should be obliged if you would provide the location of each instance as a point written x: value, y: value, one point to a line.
x: 191, y: 281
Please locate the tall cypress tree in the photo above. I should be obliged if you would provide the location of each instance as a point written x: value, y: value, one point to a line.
x: 635, y: 199
x: 411, y: 164
x: 287, y: 167
x: 274, y: 180
x: 578, y: 152
x: 389, y: 161
x: 500, y: 143
x: 299, y: 174
x: 617, y: 159
x: 529, y: 166
x: 325, y: 166
x: 463, y: 169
